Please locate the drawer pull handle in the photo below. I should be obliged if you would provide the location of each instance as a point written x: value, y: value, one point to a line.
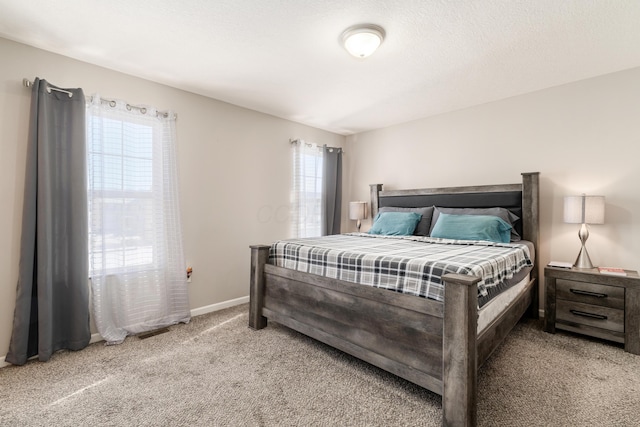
x: 591, y: 315
x: 587, y: 293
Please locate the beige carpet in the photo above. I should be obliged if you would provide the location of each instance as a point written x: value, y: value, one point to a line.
x: 217, y: 372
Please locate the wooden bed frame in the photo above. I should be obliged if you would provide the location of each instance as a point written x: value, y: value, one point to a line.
x: 430, y: 343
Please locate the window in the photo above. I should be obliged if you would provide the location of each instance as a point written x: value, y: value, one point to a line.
x: 317, y: 189
x: 121, y: 182
x: 306, y: 194
x: 136, y: 259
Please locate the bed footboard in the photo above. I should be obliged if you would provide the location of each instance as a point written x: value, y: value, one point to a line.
x: 429, y: 343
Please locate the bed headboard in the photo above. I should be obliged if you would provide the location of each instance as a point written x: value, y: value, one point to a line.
x: 521, y: 199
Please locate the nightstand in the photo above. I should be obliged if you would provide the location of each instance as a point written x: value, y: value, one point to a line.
x: 599, y: 305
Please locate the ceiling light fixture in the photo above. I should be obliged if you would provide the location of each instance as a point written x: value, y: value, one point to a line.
x: 362, y: 40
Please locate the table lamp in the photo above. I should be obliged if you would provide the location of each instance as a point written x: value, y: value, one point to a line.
x: 358, y: 211
x: 583, y: 210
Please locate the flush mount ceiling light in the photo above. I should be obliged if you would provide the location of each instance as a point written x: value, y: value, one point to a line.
x: 362, y: 40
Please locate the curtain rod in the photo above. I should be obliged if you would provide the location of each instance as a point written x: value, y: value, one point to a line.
x: 112, y: 103
x: 296, y: 141
x: 28, y: 83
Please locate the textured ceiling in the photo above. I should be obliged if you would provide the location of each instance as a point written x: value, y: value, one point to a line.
x: 283, y: 57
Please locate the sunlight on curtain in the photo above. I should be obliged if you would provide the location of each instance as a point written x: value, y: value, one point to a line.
x: 306, y: 194
x: 136, y: 260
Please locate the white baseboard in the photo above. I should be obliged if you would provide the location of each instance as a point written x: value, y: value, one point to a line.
x: 195, y: 312
x: 95, y: 338
x: 219, y: 306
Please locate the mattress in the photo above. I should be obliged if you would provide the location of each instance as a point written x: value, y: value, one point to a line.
x: 497, y: 305
x: 408, y: 264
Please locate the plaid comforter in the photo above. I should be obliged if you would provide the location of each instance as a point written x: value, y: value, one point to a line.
x: 408, y: 264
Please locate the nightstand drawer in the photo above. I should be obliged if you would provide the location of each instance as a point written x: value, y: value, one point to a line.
x: 590, y: 293
x: 572, y: 312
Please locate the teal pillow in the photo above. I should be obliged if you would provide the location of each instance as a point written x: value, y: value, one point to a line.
x: 395, y: 223
x: 508, y: 216
x: 472, y: 227
x: 424, y: 225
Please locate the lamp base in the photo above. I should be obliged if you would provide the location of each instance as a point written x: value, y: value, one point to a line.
x: 583, y: 261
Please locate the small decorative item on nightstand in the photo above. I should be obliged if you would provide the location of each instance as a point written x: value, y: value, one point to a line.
x: 589, y: 302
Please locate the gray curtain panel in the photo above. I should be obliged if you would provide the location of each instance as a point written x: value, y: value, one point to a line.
x: 52, y: 301
x: 331, y: 190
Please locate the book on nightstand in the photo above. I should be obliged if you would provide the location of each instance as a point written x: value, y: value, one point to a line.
x: 560, y: 264
x: 614, y: 271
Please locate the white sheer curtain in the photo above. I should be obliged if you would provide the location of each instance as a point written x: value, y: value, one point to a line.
x: 136, y: 260
x: 306, y: 194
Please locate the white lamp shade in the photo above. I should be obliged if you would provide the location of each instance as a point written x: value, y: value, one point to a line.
x: 362, y: 40
x: 357, y: 210
x: 584, y: 209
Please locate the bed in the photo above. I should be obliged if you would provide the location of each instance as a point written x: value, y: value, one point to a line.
x: 435, y: 344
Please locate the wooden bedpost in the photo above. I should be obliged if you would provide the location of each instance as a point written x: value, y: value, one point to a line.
x: 459, y: 350
x: 530, y: 230
x: 259, y: 257
x: 375, y: 192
